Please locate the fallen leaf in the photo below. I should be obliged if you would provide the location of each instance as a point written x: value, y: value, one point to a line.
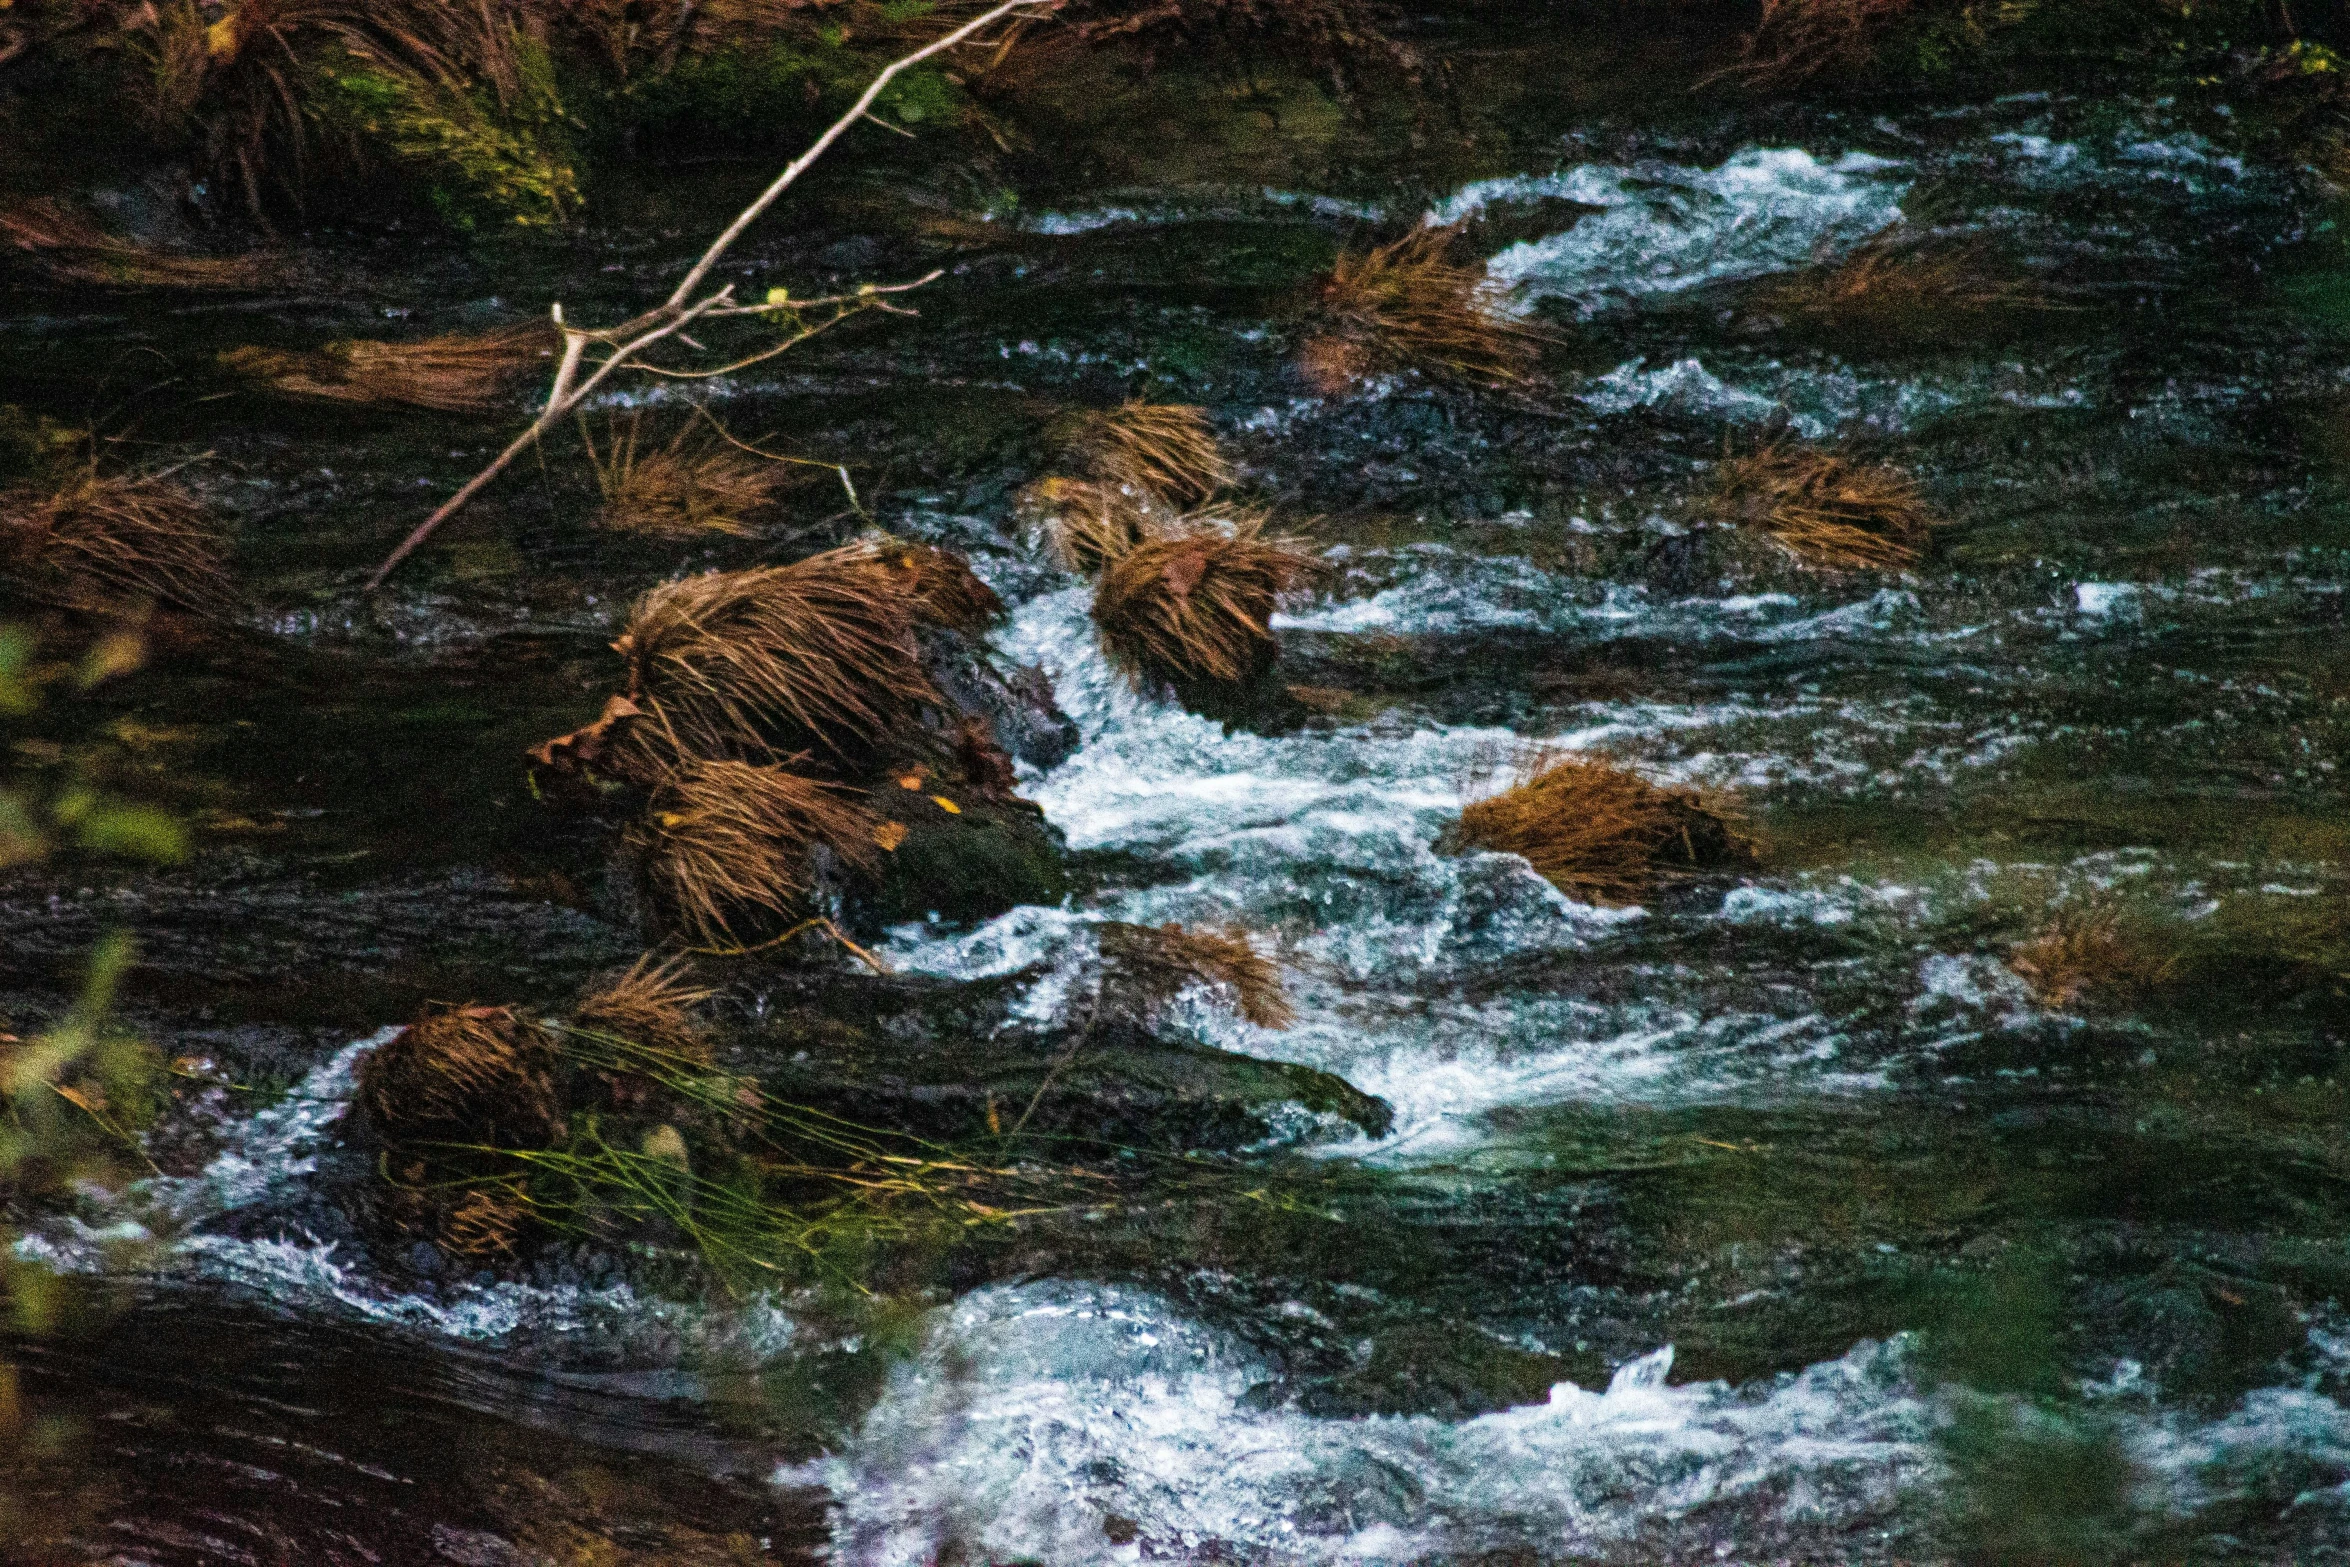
x: 889, y: 835
x: 912, y: 781
x: 946, y: 805
x: 1184, y: 572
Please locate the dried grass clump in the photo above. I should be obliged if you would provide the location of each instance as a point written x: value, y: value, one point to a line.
x: 942, y: 589
x: 771, y: 660
x: 1597, y: 831
x: 110, y: 542
x: 1896, y: 287
x: 1156, y: 965
x: 1196, y: 604
x: 1085, y: 525
x: 2087, y: 951
x: 71, y: 248
x: 651, y: 1005
x: 726, y: 843
x: 483, y: 1224
x: 1795, y: 41
x: 1164, y: 449
x: 465, y: 1074
x: 685, y: 489
x: 1408, y: 306
x: 461, y: 372
x: 1825, y: 510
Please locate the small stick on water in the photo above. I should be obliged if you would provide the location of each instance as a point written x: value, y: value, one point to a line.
x: 681, y: 309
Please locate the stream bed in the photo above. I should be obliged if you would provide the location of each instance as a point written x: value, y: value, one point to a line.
x: 1777, y: 1219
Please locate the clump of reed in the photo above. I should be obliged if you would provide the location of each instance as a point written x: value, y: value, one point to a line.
x: 1794, y: 41
x: 1085, y: 524
x: 68, y: 246
x: 1598, y: 831
x: 270, y: 90
x: 1826, y: 510
x: 2089, y: 951
x: 653, y: 1003
x: 1161, y: 449
x: 462, y: 1075
x: 106, y: 542
x: 1150, y: 966
x: 1408, y: 306
x: 777, y: 659
x: 1897, y: 286
x: 941, y: 588
x: 725, y: 845
x: 459, y: 372
x: 1194, y: 604
x: 492, y: 1128
x: 685, y: 489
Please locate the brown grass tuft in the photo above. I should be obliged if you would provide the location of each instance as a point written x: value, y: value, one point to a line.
x: 1825, y: 510
x: 1408, y: 306
x: 1161, y: 448
x: 1796, y: 40
x: 2087, y: 951
x: 110, y: 542
x: 726, y: 842
x: 683, y: 490
x: 462, y: 372
x: 1598, y: 831
x: 651, y: 1004
x: 1086, y: 525
x: 71, y: 248
x: 942, y: 588
x: 484, y: 1224
x: 1896, y: 286
x: 1157, y: 964
x: 774, y: 659
x: 465, y: 1074
x: 1195, y: 603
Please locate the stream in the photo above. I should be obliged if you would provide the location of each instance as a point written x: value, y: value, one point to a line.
x: 1776, y: 1219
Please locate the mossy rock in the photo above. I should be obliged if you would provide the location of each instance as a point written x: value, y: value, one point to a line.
x: 1448, y: 1370
x: 963, y: 858
x: 935, y: 1059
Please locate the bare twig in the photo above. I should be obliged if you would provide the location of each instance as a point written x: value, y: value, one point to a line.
x: 681, y: 309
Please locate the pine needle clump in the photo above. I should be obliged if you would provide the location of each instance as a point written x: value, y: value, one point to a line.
x: 70, y: 248
x: 942, y: 590
x: 1195, y: 605
x: 1149, y: 967
x: 464, y: 372
x: 1900, y: 288
x: 466, y: 1074
x: 111, y: 542
x: 1795, y: 41
x: 685, y: 489
x: 778, y: 659
x: 1085, y: 524
x: 1826, y: 510
x: 727, y: 845
x: 2086, y: 952
x: 1598, y: 831
x: 1407, y: 306
x: 1162, y: 449
x: 652, y: 1003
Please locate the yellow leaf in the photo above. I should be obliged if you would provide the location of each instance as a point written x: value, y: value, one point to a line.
x: 74, y: 1096
x: 890, y: 834
x: 946, y: 805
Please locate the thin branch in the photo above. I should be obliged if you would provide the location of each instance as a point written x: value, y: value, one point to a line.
x: 680, y: 309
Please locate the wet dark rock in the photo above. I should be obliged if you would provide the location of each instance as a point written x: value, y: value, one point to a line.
x: 1446, y: 1369
x: 946, y: 1061
x: 971, y: 863
x: 1017, y: 704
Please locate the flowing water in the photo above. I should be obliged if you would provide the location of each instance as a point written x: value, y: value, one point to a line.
x: 1775, y: 1219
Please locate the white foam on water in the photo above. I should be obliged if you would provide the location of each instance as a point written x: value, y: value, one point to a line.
x: 1037, y: 1414
x: 156, y: 1226
x: 1667, y: 228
